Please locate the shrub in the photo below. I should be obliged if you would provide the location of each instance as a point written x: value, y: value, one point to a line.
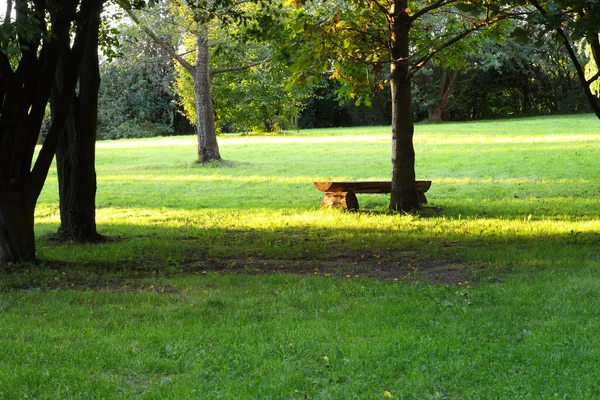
x: 135, y: 129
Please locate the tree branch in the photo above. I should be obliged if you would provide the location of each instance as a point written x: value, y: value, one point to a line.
x: 382, y: 8
x: 423, y: 60
x: 35, y: 77
x: 425, y: 10
x: 240, y: 68
x: 229, y: 9
x: 39, y: 171
x: 235, y: 69
x: 593, y: 100
x: 593, y: 78
x: 161, y: 43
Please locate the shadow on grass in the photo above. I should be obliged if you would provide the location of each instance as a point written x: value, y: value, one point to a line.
x: 424, y: 255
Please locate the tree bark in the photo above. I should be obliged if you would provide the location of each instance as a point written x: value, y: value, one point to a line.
x: 446, y: 87
x: 17, y: 239
x: 404, y: 191
x: 208, y: 148
x: 25, y: 94
x: 75, y: 156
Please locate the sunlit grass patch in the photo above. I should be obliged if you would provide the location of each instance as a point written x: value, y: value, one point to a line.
x: 541, y: 181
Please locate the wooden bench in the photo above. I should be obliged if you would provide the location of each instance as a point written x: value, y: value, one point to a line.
x: 343, y: 194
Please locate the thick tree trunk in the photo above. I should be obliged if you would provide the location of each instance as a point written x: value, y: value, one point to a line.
x: 75, y: 155
x: 25, y: 94
x: 17, y: 239
x: 77, y: 185
x: 17, y: 203
x: 208, y: 148
x: 404, y: 191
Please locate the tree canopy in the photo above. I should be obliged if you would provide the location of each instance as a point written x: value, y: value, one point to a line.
x: 355, y: 40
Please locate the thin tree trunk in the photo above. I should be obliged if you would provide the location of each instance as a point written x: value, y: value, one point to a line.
x: 208, y: 148
x: 446, y: 87
x: 404, y: 191
x: 526, y: 109
x: 435, y: 112
x: 592, y: 99
x: 75, y: 156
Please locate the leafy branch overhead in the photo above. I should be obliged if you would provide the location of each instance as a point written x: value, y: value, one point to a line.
x: 197, y: 14
x: 353, y: 40
x: 576, y: 21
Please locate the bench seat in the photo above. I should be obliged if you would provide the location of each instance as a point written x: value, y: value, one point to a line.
x: 343, y: 194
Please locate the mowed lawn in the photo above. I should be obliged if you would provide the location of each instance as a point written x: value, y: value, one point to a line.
x: 229, y: 282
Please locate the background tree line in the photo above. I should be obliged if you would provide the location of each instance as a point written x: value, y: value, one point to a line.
x: 490, y: 79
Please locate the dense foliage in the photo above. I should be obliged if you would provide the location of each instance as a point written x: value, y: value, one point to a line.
x: 136, y: 96
x: 502, y: 79
x: 525, y: 73
x: 260, y: 98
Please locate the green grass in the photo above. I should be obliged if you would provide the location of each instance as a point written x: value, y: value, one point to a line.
x: 515, y: 205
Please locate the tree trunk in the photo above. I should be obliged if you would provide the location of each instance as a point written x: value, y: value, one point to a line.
x: 24, y: 95
x: 17, y: 239
x: 446, y: 87
x: 75, y: 155
x: 404, y: 191
x: 526, y: 97
x: 208, y: 148
x: 435, y: 113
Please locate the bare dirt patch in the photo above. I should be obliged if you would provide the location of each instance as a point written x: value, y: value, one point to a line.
x: 391, y: 267
x: 149, y: 275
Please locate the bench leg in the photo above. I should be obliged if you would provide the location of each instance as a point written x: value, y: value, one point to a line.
x: 345, y: 200
x: 421, y: 198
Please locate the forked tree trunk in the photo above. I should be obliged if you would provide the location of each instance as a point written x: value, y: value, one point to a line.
x: 404, y: 195
x: 208, y: 148
x: 24, y: 96
x: 75, y: 155
x: 17, y: 239
x: 446, y: 87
